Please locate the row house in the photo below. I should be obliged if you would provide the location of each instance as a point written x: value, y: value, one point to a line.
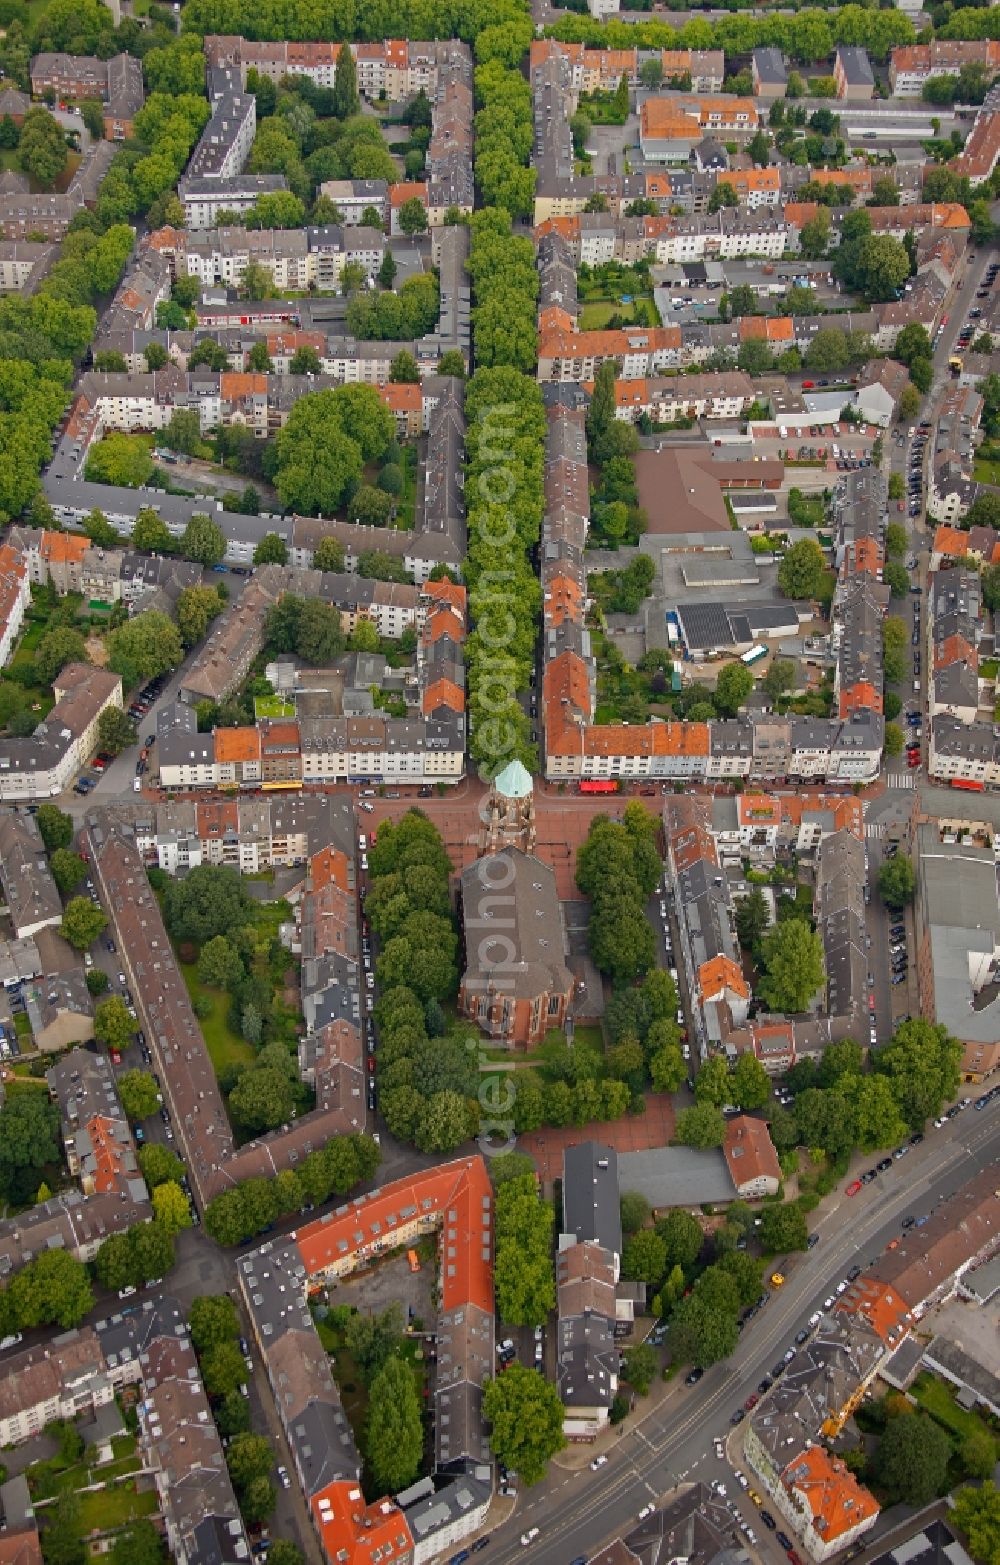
x: 43, y: 764
x: 913, y: 65
x: 954, y: 628
x: 115, y: 83
x: 981, y: 153
x: 24, y: 265
x: 297, y: 259
x: 392, y: 69
x: 664, y: 399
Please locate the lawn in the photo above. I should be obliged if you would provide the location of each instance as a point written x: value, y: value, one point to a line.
x: 406, y: 501
x: 596, y: 314
x: 225, y: 1047
x: 110, y: 1508
x: 987, y: 472
x: 937, y: 1398
x: 22, y: 1026
x: 273, y: 706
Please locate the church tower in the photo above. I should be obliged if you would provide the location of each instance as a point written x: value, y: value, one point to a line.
x: 508, y: 817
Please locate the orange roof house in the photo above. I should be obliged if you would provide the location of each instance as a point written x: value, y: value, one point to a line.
x: 767, y: 328
x: 443, y: 693
x: 879, y: 1306
x: 443, y: 622
x: 838, y: 1507
x: 237, y: 745
x: 63, y: 548
x: 406, y: 190
x: 862, y: 697
x: 718, y: 975
x: 234, y: 385
x: 752, y: 181
x: 445, y: 591
x: 330, y: 867
x: 750, y: 1156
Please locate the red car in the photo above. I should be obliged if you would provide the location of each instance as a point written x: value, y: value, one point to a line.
x: 853, y: 1187
x: 116, y: 1058
x: 751, y: 1402
x: 913, y: 759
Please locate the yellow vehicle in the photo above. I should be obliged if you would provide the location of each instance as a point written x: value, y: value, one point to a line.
x: 777, y: 1280
x: 758, y: 1499
x: 414, y: 1260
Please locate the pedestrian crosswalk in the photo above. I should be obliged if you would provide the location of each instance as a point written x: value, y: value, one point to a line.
x: 874, y: 828
x: 901, y: 780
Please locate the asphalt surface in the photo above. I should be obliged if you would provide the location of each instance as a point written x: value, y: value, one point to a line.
x: 577, y: 1512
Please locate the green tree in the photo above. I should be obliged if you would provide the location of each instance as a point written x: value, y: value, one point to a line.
x: 249, y: 1457
x: 700, y: 1334
x: 750, y: 1083
x: 976, y: 1513
x: 223, y: 1371
x: 329, y: 555
x: 372, y: 1340
x: 644, y: 1258
x: 55, y: 826
x: 713, y: 1084
x: 220, y: 965
x: 209, y: 901
x: 115, y: 730
x: 792, y: 955
x: 412, y: 217
x: 29, y: 1142
x: 82, y: 922
x: 138, y: 1093
x: 779, y: 678
x: 232, y: 1417
x: 682, y: 1236
x: 195, y: 609
x: 909, y: 402
x: 138, y: 1544
x: 159, y: 1164
x: 170, y: 1207
x: 145, y: 647
x: 203, y: 540
x: 42, y: 151
x: 271, y: 550
x: 114, y: 1024
x: 213, y: 1320
x: 639, y: 1365
x: 701, y: 1126
x: 526, y: 1417
x: 897, y: 881
x: 732, y: 687
x: 801, y: 572
x: 62, y: 1532
x: 404, y: 370
x: 783, y: 1227
x: 261, y: 1100
x: 394, y: 1436
x: 53, y: 1289
x: 58, y: 647
x: 635, y: 1211
x: 912, y: 1458
x: 345, y: 85
x: 753, y: 916
x: 68, y: 869
x: 524, y: 1276
x: 120, y: 460
x: 150, y: 533
x: 922, y: 1061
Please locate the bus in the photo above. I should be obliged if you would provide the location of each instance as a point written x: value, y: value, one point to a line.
x: 754, y: 655
x: 596, y: 785
x: 968, y: 784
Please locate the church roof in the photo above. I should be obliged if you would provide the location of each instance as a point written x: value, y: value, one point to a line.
x: 514, y: 782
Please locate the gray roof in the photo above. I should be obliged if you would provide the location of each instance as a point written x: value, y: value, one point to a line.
x: 676, y: 1176
x: 30, y: 892
x: 590, y: 1195
x: 529, y: 951
x: 961, y: 913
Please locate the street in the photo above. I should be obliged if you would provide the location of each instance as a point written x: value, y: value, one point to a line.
x: 578, y: 1510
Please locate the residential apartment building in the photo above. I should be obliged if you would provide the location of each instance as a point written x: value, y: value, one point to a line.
x: 912, y: 66
x: 41, y: 766
x: 429, y: 1518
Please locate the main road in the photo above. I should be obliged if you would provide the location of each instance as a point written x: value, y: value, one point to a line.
x: 577, y: 1511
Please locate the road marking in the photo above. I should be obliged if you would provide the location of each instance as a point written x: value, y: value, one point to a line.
x: 874, y: 829
x: 901, y: 780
